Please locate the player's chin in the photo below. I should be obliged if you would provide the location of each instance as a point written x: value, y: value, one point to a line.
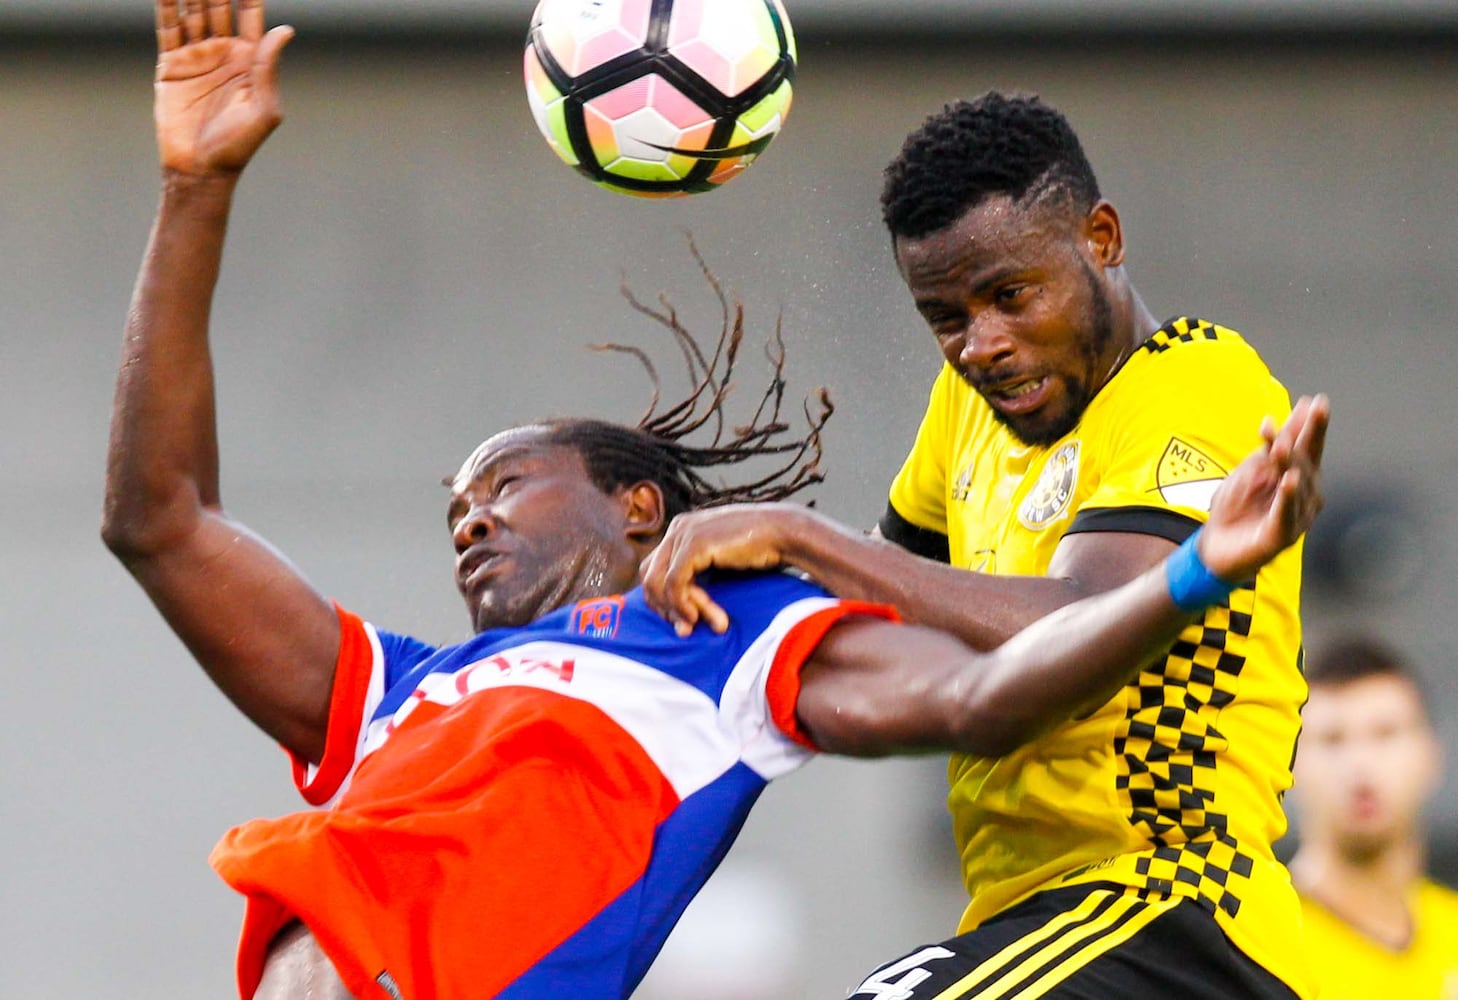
x: 1041, y: 427
x: 496, y: 611
x: 486, y: 614
x: 1367, y: 834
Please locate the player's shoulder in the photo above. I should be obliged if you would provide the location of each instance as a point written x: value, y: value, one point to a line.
x: 398, y: 648
x: 1182, y: 331
x: 363, y: 645
x: 751, y: 599
x: 754, y: 600
x: 1193, y: 369
x: 1321, y: 926
x: 773, y: 587
x: 1439, y: 898
x: 1199, y: 345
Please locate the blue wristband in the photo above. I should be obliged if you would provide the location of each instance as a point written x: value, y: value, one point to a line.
x: 1192, y: 586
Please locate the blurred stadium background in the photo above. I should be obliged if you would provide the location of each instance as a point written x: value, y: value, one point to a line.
x: 411, y: 268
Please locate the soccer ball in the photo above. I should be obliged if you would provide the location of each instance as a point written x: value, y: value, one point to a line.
x: 659, y: 98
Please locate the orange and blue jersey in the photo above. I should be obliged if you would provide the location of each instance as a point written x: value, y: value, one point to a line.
x: 527, y: 814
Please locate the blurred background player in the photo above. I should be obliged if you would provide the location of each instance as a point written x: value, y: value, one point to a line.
x: 1368, y: 763
x: 1071, y: 441
x: 526, y: 814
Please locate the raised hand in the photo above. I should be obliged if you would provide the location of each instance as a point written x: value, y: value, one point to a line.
x: 216, y: 92
x: 1271, y: 498
x: 737, y: 536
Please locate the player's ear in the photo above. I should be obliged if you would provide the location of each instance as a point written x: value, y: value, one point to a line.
x: 1104, y: 234
x: 643, y: 512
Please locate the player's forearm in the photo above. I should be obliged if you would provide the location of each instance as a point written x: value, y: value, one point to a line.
x: 872, y: 689
x: 981, y: 610
x: 162, y: 460
x: 1067, y: 663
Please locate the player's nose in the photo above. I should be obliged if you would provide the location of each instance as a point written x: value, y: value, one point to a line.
x: 475, y: 525
x: 985, y: 344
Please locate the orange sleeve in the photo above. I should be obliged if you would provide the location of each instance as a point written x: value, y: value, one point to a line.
x: 783, y: 685
x: 352, y: 672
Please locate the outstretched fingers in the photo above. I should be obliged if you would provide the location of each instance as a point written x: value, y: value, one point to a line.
x: 266, y: 61
x: 250, y: 19
x: 1271, y: 498
x: 1302, y: 436
x: 1302, y: 439
x: 1311, y: 439
x: 220, y: 18
x: 1297, y: 453
x: 169, y: 26
x: 182, y: 21
x: 217, y: 96
x: 195, y: 20
x: 1281, y: 438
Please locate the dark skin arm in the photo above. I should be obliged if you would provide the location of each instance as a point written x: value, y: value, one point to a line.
x: 263, y: 634
x: 982, y: 610
x: 873, y: 688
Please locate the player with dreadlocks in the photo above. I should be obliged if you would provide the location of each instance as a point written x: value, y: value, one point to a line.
x: 526, y: 814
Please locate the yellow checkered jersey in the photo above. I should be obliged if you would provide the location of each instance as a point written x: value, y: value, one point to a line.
x: 1174, y: 786
x: 1350, y: 966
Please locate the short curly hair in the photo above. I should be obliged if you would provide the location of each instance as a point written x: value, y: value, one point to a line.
x: 997, y: 144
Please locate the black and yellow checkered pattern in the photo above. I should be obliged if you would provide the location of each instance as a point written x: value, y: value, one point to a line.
x: 1173, y: 786
x: 1183, y: 331
x: 1168, y: 753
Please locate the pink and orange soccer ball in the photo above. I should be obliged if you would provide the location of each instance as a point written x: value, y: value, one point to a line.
x: 660, y: 98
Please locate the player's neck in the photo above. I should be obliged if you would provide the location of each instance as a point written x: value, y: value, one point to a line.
x: 1141, y: 322
x: 1369, y: 891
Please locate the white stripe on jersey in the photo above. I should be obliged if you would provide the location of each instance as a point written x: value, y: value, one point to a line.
x: 692, y: 740
x: 745, y: 706
x: 374, y: 695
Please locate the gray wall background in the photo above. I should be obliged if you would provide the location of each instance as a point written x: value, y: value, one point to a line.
x: 410, y: 268
x: 817, y: 15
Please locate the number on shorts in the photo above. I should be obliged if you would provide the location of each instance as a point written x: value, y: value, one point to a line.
x: 883, y: 986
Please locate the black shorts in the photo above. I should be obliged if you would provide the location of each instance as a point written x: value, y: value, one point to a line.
x: 1088, y: 942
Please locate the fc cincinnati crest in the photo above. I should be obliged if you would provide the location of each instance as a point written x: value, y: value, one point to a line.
x: 1054, y: 489
x: 598, y: 617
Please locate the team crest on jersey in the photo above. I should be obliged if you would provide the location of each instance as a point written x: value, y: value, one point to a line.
x: 1054, y: 489
x: 1186, y: 476
x: 962, y: 487
x: 599, y: 617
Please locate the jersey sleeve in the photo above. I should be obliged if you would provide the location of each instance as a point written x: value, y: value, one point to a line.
x: 916, y: 514
x: 1197, y: 415
x: 780, y: 619
x: 782, y: 686
x: 369, y: 663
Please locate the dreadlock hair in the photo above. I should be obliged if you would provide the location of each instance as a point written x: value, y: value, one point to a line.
x: 997, y: 144
x: 1354, y: 658
x: 656, y: 450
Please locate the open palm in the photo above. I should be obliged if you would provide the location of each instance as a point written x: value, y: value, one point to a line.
x: 216, y: 93
x: 1271, y: 498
